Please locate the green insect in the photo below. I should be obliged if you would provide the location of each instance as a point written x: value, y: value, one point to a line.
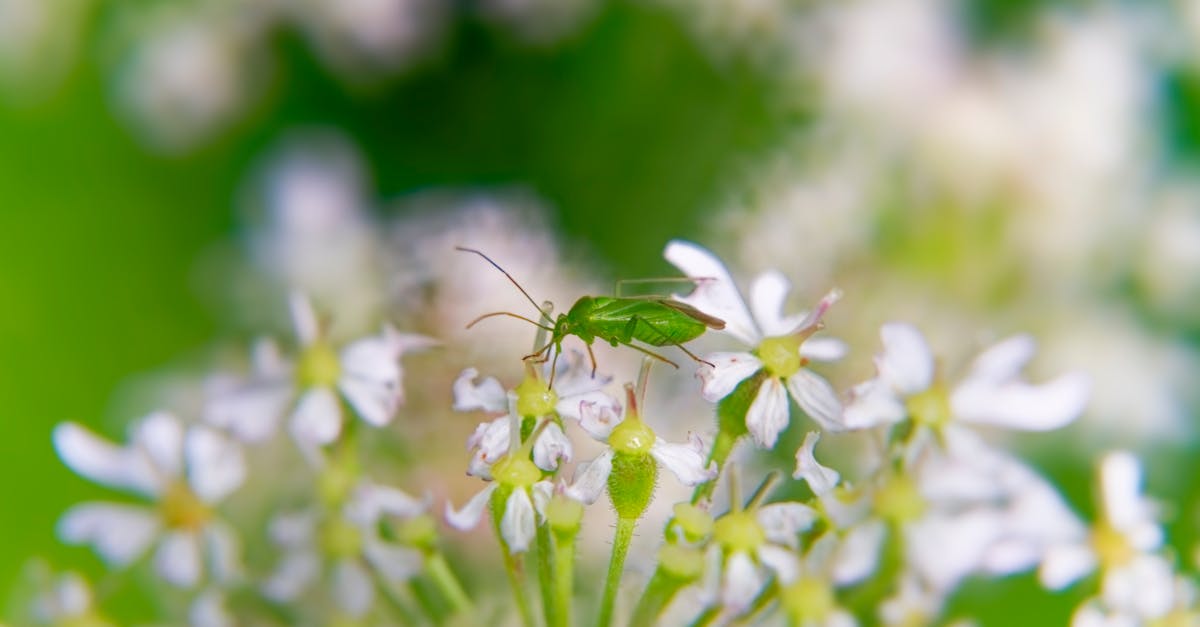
x: 619, y: 321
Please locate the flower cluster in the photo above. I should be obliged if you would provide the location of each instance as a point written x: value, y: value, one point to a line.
x: 925, y: 501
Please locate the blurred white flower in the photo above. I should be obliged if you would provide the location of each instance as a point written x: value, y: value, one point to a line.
x: 345, y: 547
x: 66, y: 599
x: 362, y: 39
x: 185, y: 470
x: 781, y: 345
x: 366, y: 374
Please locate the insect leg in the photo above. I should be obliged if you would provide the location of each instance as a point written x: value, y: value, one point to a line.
x: 635, y: 319
x: 652, y: 354
x: 592, y: 357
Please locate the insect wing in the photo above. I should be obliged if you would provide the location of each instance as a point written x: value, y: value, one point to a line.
x: 711, y: 322
x: 657, y: 324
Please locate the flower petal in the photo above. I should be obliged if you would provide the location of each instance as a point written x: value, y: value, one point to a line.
x: 105, y: 463
x: 518, y: 524
x: 599, y: 418
x: 293, y: 530
x: 552, y: 446
x: 214, y: 463
x: 725, y: 373
x: 317, y: 420
x: 488, y: 395
x: 541, y: 492
x: 688, y: 462
x: 1064, y: 564
x: 591, y: 479
x: 178, y: 558
x: 371, y: 501
x: 160, y: 436
x: 715, y: 294
x: 208, y: 610
x: 767, y: 296
x: 741, y: 584
x: 571, y: 406
x: 396, y: 563
x: 783, y: 522
x: 872, y: 403
x: 293, y: 576
x: 119, y: 533
x: 250, y: 411
x: 1144, y: 587
x: 1018, y: 405
x: 1004, y: 360
x: 821, y: 479
x: 1121, y: 487
x: 467, y: 517
x: 304, y: 318
x: 823, y: 349
x: 858, y: 553
x: 816, y: 397
x: 906, y: 363
x: 371, y: 379
x: 574, y: 376
x: 223, y: 551
x: 780, y: 561
x: 353, y: 588
x: 768, y: 413
x: 487, y: 444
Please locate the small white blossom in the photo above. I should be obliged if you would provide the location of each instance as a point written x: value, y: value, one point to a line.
x: 187, y: 470
x: 780, y: 344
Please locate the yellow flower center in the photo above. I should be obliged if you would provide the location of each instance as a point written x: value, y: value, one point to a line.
x: 693, y: 521
x: 899, y: 500
x: 182, y: 509
x: 809, y: 600
x: 535, y: 398
x: 930, y: 408
x: 781, y: 355
x: 516, y: 472
x: 739, y: 531
x: 632, y: 436
x: 341, y: 539
x: 1111, y: 546
x: 319, y: 366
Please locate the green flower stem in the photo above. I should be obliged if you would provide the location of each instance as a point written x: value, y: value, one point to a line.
x: 564, y: 575
x: 722, y: 447
x: 405, y: 613
x: 439, y: 571
x: 616, y: 568
x: 707, y: 616
x: 658, y: 594
x: 516, y: 581
x: 545, y: 573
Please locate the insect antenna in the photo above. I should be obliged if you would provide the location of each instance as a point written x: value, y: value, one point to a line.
x: 510, y: 278
x: 511, y: 315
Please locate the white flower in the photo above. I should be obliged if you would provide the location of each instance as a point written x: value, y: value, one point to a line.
x: 65, y: 599
x: 627, y: 434
x: 366, y: 374
x: 991, y: 394
x: 186, y: 470
x: 1136, y: 580
x: 346, y: 547
x: 781, y: 345
x: 821, y: 479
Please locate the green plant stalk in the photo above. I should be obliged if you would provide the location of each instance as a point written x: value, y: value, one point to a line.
x: 439, y: 571
x: 722, y: 447
x: 406, y: 614
x: 659, y: 592
x: 511, y: 564
x: 616, y: 568
x: 706, y: 617
x: 545, y: 574
x: 564, y: 575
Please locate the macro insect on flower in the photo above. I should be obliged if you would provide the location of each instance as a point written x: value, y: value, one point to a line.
x: 618, y: 321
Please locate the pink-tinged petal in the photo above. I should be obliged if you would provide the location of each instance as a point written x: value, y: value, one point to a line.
x: 208, y: 610
x: 1065, y: 564
x: 1004, y: 360
x: 821, y: 479
x: 552, y: 447
x: 825, y: 349
x: 768, y: 413
x: 352, y: 588
x: 767, y: 296
x: 725, y: 373
x: 371, y: 379
x: 293, y: 576
x: 160, y: 437
x: 783, y: 522
x: 396, y: 563
x: 780, y: 561
x: 223, y: 551
x: 467, y: 517
x: 214, y: 463
x: 518, y: 524
x: 371, y: 502
x: 598, y: 402
x: 251, y: 411
x: 1018, y: 405
x: 599, y: 418
x: 688, y: 462
x: 487, y: 444
x: 715, y: 294
x: 293, y: 530
x: 103, y: 462
x: 591, y: 479
x: 906, y: 363
x: 487, y: 395
x: 119, y: 533
x: 872, y: 403
x: 1144, y: 587
x: 317, y: 420
x: 304, y: 318
x: 1121, y: 487
x: 816, y: 397
x: 858, y: 553
x: 574, y: 375
x: 741, y: 584
x: 813, y: 318
x: 178, y: 558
